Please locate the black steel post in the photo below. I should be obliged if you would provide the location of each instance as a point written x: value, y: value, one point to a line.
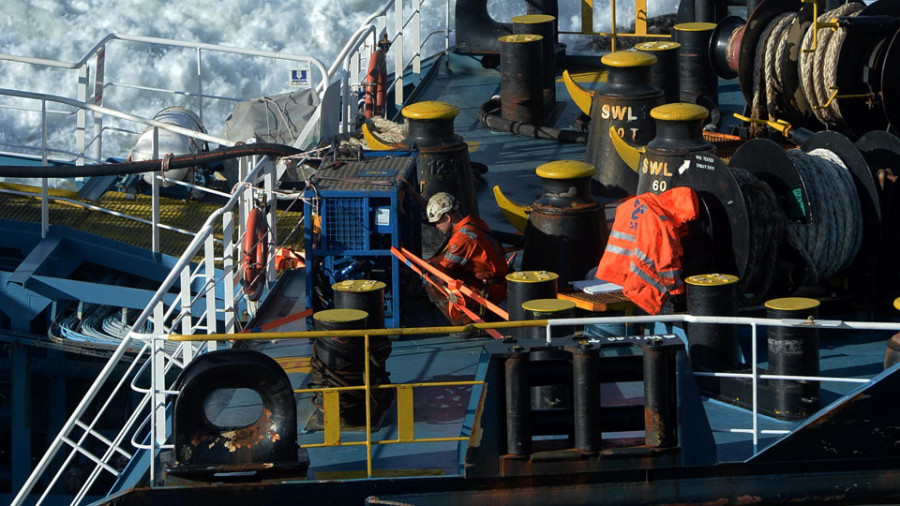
x: 712, y: 346
x: 523, y: 286
x: 586, y: 389
x: 794, y: 351
x: 521, y: 85
x: 696, y: 77
x: 518, y: 404
x: 660, y: 403
x: 545, y: 26
x: 663, y: 73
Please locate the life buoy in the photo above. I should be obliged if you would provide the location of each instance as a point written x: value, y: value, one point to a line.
x: 376, y: 85
x: 254, y: 254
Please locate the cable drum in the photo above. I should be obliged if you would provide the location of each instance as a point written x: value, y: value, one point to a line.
x: 818, y: 69
x: 767, y: 225
x: 768, y: 71
x: 830, y: 242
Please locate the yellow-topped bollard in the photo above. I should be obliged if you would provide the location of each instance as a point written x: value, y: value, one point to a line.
x: 522, y: 286
x: 443, y: 161
x: 566, y: 230
x: 664, y: 73
x: 679, y: 136
x: 548, y: 309
x: 697, y: 79
x: 545, y: 26
x: 521, y: 78
x: 622, y: 104
x: 363, y: 294
x: 794, y: 351
x: 712, y: 346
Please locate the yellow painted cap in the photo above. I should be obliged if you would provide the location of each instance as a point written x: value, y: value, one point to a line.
x: 521, y: 38
x: 711, y: 279
x: 532, y: 19
x: 657, y: 45
x: 430, y: 109
x: 897, y: 303
x: 359, y: 285
x: 531, y: 276
x: 695, y: 26
x: 565, y: 169
x: 548, y: 305
x: 620, y: 59
x: 792, y: 304
x: 679, y: 111
x: 340, y: 315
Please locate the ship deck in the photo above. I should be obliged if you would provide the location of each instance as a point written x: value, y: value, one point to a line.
x: 444, y: 412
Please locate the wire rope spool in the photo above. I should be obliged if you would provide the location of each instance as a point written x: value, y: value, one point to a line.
x: 890, y: 74
x: 764, y: 14
x: 725, y: 45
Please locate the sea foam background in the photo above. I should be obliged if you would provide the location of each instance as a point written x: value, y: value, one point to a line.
x: 66, y: 30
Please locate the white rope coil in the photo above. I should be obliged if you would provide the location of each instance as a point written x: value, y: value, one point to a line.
x: 817, y: 70
x: 830, y: 242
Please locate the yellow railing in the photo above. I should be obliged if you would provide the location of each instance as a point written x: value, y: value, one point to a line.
x: 640, y: 22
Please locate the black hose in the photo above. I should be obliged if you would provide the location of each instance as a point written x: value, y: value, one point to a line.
x: 176, y: 162
x: 487, y: 114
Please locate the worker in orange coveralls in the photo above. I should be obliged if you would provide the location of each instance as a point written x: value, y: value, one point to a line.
x: 471, y: 255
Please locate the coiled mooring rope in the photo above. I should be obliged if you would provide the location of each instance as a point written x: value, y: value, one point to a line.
x: 830, y: 242
x: 817, y: 70
x: 767, y: 224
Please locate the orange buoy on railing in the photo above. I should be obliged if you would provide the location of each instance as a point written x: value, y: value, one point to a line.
x: 254, y: 254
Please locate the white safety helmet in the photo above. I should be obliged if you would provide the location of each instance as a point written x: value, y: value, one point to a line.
x: 440, y: 203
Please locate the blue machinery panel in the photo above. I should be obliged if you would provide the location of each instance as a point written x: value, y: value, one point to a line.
x: 353, y: 214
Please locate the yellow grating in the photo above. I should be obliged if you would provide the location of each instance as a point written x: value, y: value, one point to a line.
x: 176, y: 213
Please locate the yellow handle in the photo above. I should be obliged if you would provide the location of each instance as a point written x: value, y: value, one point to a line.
x: 516, y: 214
x: 778, y: 125
x: 628, y: 153
x: 580, y: 96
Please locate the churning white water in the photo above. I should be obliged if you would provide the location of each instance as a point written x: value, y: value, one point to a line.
x: 67, y: 30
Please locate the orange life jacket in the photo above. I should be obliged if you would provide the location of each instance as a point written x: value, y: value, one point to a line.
x: 643, y: 253
x: 474, y: 256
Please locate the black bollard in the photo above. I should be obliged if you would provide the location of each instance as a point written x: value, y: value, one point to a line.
x: 521, y: 80
x: 712, y: 346
x: 794, y: 351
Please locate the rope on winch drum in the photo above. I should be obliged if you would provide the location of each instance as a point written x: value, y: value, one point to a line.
x: 823, y: 63
x: 830, y: 242
x: 767, y: 225
x: 817, y: 70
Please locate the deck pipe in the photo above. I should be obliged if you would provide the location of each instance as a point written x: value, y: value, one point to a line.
x: 443, y: 162
x: 679, y: 136
x: 522, y: 286
x: 586, y: 399
x: 518, y: 404
x: 545, y: 26
x: 623, y: 102
x: 663, y: 73
x: 712, y: 346
x: 697, y: 80
x: 794, y: 351
x: 660, y: 402
x: 566, y: 230
x: 521, y: 78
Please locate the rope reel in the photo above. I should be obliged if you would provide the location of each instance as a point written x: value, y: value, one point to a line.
x: 836, y: 71
x: 824, y: 206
